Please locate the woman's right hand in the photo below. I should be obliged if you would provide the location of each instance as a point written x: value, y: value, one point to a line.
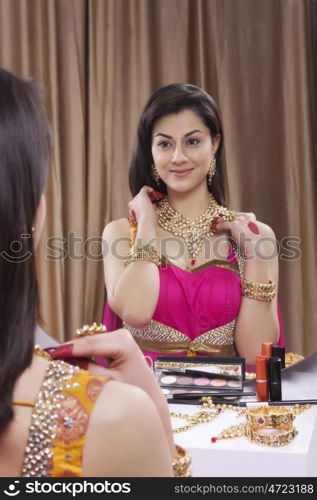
x: 142, y: 206
x: 124, y: 360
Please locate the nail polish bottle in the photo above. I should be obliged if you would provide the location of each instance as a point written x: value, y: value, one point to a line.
x: 262, y: 389
x: 275, y: 379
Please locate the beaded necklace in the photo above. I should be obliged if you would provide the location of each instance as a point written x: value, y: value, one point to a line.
x: 193, y: 231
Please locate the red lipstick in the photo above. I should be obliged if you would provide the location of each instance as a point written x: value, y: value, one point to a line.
x: 262, y: 388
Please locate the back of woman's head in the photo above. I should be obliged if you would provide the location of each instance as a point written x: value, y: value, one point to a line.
x: 24, y: 149
x: 170, y: 99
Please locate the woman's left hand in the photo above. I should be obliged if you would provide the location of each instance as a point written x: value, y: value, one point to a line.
x: 247, y: 232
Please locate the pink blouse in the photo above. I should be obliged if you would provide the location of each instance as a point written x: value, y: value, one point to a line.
x: 193, y: 302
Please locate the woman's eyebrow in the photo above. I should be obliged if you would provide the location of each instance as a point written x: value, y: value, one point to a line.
x: 186, y: 135
x: 163, y: 135
x: 193, y: 132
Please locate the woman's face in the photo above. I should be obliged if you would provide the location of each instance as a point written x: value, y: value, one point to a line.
x: 182, y: 149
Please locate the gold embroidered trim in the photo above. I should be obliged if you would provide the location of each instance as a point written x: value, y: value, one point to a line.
x: 223, y: 335
x: 158, y: 337
x: 38, y: 452
x: 231, y: 266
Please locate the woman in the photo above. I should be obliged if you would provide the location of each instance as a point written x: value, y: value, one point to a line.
x: 52, y: 414
x: 196, y: 279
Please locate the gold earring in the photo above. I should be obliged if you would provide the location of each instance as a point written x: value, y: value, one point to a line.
x: 33, y: 229
x: 155, y: 174
x: 211, y: 171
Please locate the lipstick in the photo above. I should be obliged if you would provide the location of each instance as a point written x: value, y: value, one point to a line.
x: 275, y: 378
x: 279, y: 352
x: 267, y: 349
x: 262, y: 391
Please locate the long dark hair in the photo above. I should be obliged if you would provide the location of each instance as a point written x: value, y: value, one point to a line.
x: 173, y: 99
x: 24, y: 149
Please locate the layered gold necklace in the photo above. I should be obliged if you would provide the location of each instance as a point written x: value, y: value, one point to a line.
x: 193, y: 231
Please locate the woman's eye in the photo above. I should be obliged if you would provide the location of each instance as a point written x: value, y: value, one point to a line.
x: 192, y: 141
x: 164, y: 144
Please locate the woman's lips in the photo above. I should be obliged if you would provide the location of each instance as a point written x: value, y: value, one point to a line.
x: 181, y: 173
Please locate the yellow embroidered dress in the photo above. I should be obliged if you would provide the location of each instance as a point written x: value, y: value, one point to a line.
x: 60, y: 420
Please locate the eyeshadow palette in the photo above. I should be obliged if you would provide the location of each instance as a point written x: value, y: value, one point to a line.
x: 200, y: 376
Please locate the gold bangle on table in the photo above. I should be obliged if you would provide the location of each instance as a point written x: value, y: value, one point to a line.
x: 181, y: 463
x: 271, y: 436
x: 143, y: 252
x: 270, y: 426
x: 258, y: 291
x: 268, y: 436
x: 270, y: 416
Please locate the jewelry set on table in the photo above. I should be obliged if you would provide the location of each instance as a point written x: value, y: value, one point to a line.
x: 264, y: 425
x: 269, y: 421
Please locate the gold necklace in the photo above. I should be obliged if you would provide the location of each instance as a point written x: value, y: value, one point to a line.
x: 202, y: 417
x: 260, y: 415
x: 193, y: 231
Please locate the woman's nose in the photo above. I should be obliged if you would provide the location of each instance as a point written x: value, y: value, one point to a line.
x: 178, y: 155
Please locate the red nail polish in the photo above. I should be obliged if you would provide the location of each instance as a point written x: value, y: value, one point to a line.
x: 214, y: 222
x: 253, y: 228
x: 62, y: 351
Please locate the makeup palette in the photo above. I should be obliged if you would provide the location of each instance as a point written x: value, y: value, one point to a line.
x: 214, y: 376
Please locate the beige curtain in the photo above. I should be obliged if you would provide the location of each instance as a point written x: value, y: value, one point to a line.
x: 99, y: 60
x: 46, y: 40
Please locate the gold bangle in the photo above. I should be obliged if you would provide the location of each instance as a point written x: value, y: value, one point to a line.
x: 144, y: 252
x: 181, y: 463
x: 271, y: 436
x: 270, y: 416
x: 258, y: 291
x: 291, y: 358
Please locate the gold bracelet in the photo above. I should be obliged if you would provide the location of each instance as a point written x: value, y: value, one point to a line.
x: 181, y: 463
x: 258, y: 291
x: 270, y: 416
x: 261, y: 432
x: 144, y: 252
x: 271, y: 436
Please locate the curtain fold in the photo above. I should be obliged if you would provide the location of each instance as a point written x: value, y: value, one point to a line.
x: 45, y: 40
x: 99, y: 61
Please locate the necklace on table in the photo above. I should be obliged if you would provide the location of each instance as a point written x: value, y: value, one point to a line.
x: 193, y: 231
